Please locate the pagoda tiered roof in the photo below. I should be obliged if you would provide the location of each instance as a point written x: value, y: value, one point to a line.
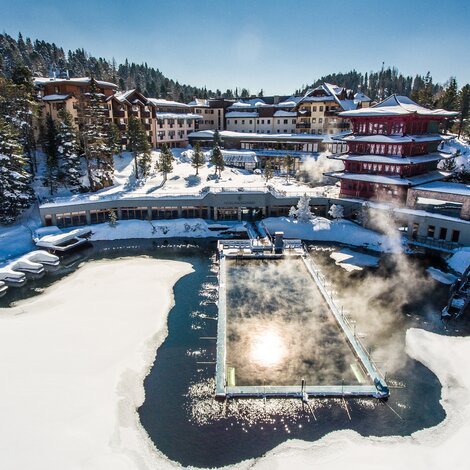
x: 394, y: 138
x: 393, y: 159
x: 391, y: 180
x: 396, y: 105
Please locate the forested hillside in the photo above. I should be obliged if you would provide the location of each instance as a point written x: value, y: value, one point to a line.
x: 40, y: 56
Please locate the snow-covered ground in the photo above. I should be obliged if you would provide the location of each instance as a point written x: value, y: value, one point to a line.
x: 194, y: 228
x: 339, y: 231
x: 73, y: 373
x: 353, y: 260
x: 183, y: 180
x: 73, y: 365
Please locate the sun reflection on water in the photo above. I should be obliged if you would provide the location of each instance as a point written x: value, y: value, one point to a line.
x: 268, y: 349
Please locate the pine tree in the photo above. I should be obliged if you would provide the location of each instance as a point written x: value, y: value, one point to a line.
x: 217, y: 159
x: 426, y: 94
x: 93, y: 119
x: 336, y: 211
x: 292, y: 212
x: 464, y: 108
x: 114, y: 139
x: 165, y: 162
x: 197, y: 160
x: 303, y: 212
x: 112, y: 218
x: 18, y: 107
x: 68, y: 151
x: 15, y: 181
x: 289, y: 163
x: 139, y: 145
x: 217, y: 139
x: 51, y: 149
x: 268, y: 170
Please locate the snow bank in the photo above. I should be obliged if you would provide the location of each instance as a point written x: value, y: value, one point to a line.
x: 437, y: 448
x: 321, y: 229
x: 73, y: 365
x: 195, y: 228
x: 440, y: 276
x: 352, y: 260
x: 460, y: 260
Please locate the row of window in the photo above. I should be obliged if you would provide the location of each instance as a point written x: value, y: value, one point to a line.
x: 73, y: 219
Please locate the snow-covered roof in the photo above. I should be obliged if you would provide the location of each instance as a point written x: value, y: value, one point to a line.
x: 446, y: 188
x: 392, y: 159
x: 78, y: 80
x: 360, y: 97
x: 282, y: 113
x: 394, y: 139
x: 396, y: 105
x: 241, y: 114
x: 239, y: 156
x: 178, y: 116
x: 393, y: 180
x: 56, y: 97
x: 172, y: 104
x: 289, y: 102
x: 199, y: 102
x: 123, y: 95
x: 239, y: 104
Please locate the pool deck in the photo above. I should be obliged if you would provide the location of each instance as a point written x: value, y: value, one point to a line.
x: 378, y: 388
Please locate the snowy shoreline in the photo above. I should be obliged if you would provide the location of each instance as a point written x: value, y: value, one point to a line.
x: 92, y: 421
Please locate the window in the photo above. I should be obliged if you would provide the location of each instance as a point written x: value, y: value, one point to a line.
x: 314, y: 120
x: 314, y: 109
x: 442, y: 233
x: 321, y: 108
x: 415, y: 231
x: 243, y: 121
x: 320, y: 120
x: 268, y: 121
x: 431, y: 230
x: 251, y: 121
x: 285, y: 121
x: 293, y: 121
x: 235, y: 121
x: 455, y: 236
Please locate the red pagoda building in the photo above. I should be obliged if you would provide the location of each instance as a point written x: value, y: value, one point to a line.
x: 393, y: 146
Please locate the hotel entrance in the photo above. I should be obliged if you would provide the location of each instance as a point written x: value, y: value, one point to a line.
x: 251, y: 214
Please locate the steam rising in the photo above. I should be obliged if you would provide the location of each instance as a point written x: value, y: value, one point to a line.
x: 279, y: 329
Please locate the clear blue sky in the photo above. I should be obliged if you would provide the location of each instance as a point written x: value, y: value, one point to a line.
x: 271, y: 44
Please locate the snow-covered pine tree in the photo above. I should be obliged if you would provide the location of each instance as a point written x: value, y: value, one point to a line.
x: 197, y: 159
x: 268, y: 170
x: 336, y: 211
x: 303, y: 212
x: 18, y: 107
x: 139, y: 145
x: 93, y: 119
x: 165, y: 162
x: 15, y: 180
x: 51, y: 149
x: 68, y: 151
x: 114, y: 139
x: 292, y: 212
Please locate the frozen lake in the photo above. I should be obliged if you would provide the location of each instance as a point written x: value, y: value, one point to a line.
x: 179, y: 412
